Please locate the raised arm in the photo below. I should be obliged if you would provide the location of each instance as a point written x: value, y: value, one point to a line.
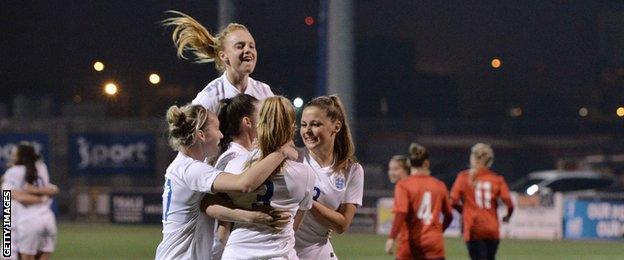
x: 253, y: 177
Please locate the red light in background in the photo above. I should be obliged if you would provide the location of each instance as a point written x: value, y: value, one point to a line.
x: 309, y: 20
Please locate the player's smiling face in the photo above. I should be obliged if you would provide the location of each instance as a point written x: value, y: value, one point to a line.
x: 239, y: 52
x: 318, y: 132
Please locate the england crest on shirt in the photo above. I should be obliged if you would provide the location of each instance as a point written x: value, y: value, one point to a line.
x: 339, y: 181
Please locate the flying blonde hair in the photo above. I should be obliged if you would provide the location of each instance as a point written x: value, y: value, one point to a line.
x: 190, y: 36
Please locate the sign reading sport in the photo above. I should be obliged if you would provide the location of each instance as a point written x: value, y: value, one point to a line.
x: 103, y: 154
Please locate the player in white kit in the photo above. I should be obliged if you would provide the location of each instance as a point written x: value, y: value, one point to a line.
x: 233, y: 50
x: 330, y: 153
x: 238, y: 117
x: 35, y: 223
x: 194, y: 133
x: 289, y: 188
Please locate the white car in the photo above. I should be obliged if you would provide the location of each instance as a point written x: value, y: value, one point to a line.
x: 545, y: 182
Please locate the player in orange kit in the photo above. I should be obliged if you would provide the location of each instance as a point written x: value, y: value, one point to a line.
x: 475, y: 194
x: 418, y: 201
x: 398, y: 169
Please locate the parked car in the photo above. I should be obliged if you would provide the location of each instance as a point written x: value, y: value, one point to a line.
x: 545, y: 182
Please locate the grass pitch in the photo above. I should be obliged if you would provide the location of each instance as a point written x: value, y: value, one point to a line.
x: 106, y: 241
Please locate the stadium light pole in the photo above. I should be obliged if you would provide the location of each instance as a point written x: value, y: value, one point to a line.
x: 227, y: 12
x: 340, y: 50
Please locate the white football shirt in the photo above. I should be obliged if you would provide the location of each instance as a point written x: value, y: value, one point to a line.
x: 291, y: 190
x: 24, y: 216
x: 234, y: 151
x: 14, y: 179
x: 331, y: 190
x: 187, y: 231
x: 221, y: 88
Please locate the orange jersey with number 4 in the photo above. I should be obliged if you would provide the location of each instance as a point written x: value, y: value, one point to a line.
x: 479, y: 200
x: 422, y: 198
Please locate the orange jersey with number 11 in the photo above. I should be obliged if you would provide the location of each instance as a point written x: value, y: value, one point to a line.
x: 479, y: 200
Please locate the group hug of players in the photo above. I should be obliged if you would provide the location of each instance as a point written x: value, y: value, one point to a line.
x: 264, y: 198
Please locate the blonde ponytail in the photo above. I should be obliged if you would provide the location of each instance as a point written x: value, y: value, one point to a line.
x: 190, y: 36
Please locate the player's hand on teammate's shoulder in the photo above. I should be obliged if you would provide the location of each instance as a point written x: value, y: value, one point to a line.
x: 289, y: 150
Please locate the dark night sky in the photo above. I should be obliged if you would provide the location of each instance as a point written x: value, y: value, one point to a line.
x: 557, y: 55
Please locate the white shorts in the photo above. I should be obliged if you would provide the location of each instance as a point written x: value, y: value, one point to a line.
x: 316, y: 251
x: 37, y: 235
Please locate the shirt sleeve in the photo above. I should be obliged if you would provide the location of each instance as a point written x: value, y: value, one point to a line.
x: 11, y: 180
x: 504, y: 193
x: 446, y: 202
x: 42, y: 171
x: 208, y: 100
x: 456, y: 190
x: 399, y: 220
x: 401, y: 199
x: 267, y: 90
x: 200, y: 176
x: 224, y: 160
x: 355, y: 186
x: 242, y: 162
x: 306, y: 203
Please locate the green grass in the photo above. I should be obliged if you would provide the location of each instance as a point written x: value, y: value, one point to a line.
x: 104, y: 241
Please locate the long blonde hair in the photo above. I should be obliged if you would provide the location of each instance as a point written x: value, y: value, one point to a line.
x: 189, y: 35
x: 276, y: 124
x: 344, y: 149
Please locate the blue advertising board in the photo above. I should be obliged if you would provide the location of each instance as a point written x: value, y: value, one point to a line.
x: 593, y: 219
x: 105, y: 154
x: 8, y: 140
